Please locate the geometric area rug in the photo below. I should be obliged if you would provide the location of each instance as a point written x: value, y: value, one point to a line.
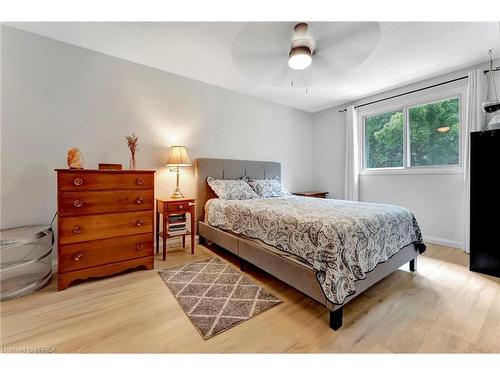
x: 215, y: 296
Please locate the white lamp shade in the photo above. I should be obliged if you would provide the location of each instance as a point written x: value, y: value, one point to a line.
x: 178, y: 157
x: 299, y: 58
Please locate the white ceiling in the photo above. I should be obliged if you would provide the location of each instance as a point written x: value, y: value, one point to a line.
x: 352, y: 60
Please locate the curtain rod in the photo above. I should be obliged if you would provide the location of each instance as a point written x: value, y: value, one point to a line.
x: 497, y: 69
x: 409, y: 92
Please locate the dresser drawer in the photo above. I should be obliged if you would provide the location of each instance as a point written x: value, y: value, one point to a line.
x: 73, y: 203
x: 181, y: 206
x: 77, y: 181
x: 94, y: 227
x: 94, y: 253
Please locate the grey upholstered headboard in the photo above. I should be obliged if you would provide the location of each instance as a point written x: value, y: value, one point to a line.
x: 230, y: 170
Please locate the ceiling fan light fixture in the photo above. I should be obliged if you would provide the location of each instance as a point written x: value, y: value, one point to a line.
x: 299, y: 58
x: 300, y: 29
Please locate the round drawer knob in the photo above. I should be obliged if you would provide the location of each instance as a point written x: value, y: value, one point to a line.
x: 78, y: 182
x: 139, y: 181
x: 139, y: 222
x: 139, y: 246
x: 78, y: 203
x: 139, y: 200
x: 181, y: 207
x: 77, y: 229
x: 78, y: 256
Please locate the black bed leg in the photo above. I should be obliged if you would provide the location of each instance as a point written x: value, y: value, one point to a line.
x: 202, y: 240
x: 336, y: 318
x: 413, y: 265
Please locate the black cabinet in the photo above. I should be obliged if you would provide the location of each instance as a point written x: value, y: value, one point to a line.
x: 485, y: 202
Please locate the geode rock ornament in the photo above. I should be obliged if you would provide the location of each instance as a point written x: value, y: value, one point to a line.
x: 75, y: 158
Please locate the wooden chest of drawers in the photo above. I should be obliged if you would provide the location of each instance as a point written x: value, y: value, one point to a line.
x: 105, y: 222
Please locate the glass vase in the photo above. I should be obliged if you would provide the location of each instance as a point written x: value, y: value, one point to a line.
x: 131, y: 163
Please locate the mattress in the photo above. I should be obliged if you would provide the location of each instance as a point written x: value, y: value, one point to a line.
x: 341, y: 240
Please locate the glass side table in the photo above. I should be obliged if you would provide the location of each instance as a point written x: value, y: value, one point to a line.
x: 25, y: 260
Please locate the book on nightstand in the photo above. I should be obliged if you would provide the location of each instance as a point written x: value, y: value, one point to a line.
x: 177, y: 224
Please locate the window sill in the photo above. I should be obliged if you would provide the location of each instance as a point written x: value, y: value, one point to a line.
x: 400, y: 171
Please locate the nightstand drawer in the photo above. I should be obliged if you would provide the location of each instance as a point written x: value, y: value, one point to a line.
x: 94, y: 253
x: 95, y: 202
x: 94, y: 227
x: 105, y: 180
x: 181, y: 206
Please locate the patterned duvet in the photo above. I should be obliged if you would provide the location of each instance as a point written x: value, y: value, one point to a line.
x: 341, y: 240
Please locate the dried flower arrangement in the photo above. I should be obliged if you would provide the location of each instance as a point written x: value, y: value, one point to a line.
x: 132, y: 141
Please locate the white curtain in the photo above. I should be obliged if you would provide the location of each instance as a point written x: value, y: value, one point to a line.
x: 351, y: 187
x: 474, y: 119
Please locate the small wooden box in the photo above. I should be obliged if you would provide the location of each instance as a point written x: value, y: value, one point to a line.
x: 107, y: 166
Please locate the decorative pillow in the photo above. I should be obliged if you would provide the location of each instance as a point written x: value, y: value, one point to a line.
x: 268, y: 188
x: 231, y: 189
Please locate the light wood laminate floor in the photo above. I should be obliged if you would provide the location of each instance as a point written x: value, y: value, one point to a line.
x: 443, y: 307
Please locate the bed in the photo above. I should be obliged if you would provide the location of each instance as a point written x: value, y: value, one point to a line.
x: 308, y: 262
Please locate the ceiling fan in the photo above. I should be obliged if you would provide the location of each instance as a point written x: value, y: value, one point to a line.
x: 313, y: 52
x: 302, y: 48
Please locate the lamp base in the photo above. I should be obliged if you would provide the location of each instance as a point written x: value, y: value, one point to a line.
x: 177, y: 194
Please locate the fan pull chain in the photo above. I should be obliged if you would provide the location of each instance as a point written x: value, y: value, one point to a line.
x: 306, y: 82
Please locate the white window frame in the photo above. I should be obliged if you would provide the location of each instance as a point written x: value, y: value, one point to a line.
x: 404, y: 104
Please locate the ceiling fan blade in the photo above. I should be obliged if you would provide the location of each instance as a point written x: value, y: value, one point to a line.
x: 258, y: 55
x: 342, y: 47
x: 271, y: 70
x: 260, y: 51
x: 336, y: 65
x: 345, y: 34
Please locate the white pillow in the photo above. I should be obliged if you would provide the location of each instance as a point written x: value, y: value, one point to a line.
x: 231, y: 189
x: 268, y: 188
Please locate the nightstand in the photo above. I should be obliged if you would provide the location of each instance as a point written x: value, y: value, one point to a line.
x: 178, y: 216
x: 313, y: 194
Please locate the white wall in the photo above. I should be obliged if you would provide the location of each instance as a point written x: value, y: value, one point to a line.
x: 329, y: 152
x: 436, y: 200
x: 56, y: 96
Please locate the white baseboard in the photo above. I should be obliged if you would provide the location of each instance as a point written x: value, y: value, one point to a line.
x: 444, y: 242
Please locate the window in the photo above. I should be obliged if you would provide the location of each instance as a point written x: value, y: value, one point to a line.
x: 413, y: 137
x: 384, y: 140
x: 434, y: 133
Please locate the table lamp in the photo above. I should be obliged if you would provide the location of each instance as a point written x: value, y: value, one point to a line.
x: 178, y: 158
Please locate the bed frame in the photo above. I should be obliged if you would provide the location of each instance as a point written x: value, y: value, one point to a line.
x: 291, y: 272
